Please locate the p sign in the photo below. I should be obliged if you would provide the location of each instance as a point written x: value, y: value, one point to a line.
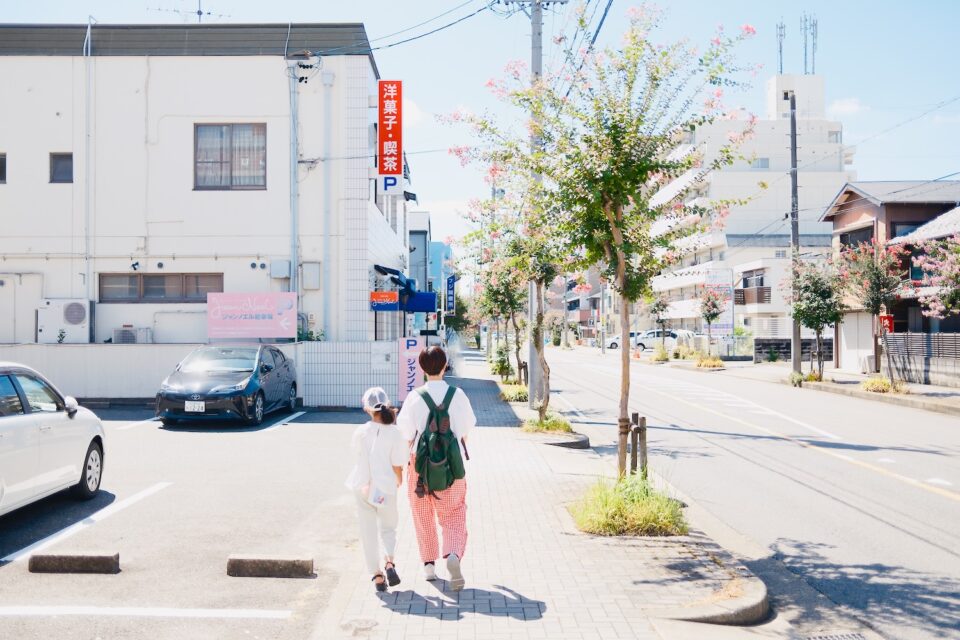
x: 391, y: 186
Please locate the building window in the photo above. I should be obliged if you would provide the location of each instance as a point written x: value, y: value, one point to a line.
x: 856, y: 238
x: 230, y: 156
x: 834, y: 136
x: 903, y: 228
x: 780, y: 253
x: 3, y: 168
x: 61, y: 167
x: 760, y: 163
x: 157, y: 287
x: 752, y: 279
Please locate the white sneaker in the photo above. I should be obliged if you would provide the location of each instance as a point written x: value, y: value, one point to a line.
x: 456, y: 576
x: 430, y: 572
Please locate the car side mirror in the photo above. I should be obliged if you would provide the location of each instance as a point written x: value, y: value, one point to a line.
x: 71, y: 406
x: 266, y: 368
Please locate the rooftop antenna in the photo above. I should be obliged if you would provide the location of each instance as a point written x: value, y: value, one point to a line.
x: 813, y: 47
x: 200, y: 13
x: 781, y: 34
x: 804, y: 28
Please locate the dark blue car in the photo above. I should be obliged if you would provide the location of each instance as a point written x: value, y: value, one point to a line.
x: 221, y: 382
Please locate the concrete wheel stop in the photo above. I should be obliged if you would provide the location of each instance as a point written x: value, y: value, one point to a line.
x: 74, y: 563
x: 249, y: 566
x: 571, y: 441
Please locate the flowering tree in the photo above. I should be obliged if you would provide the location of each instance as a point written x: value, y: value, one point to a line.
x: 940, y: 262
x: 606, y: 138
x: 873, y: 274
x: 816, y: 299
x: 712, y: 306
x: 657, y: 305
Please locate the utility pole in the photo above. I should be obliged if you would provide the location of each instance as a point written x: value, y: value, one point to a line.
x: 794, y: 226
x: 536, y: 67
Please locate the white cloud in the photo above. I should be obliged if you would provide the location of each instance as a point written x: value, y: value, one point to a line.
x: 846, y: 107
x: 412, y: 113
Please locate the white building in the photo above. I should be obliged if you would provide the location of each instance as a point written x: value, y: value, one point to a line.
x: 754, y: 246
x: 159, y: 167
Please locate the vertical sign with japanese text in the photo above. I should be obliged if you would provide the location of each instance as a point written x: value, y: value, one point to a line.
x: 390, y: 127
x: 411, y: 375
x: 451, y: 306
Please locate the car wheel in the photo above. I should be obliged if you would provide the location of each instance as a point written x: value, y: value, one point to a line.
x: 641, y: 346
x: 91, y: 474
x: 256, y: 415
x: 292, y: 399
x: 168, y: 422
x: 613, y: 345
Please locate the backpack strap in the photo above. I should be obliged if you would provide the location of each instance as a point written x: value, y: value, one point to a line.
x: 448, y: 398
x: 429, y: 400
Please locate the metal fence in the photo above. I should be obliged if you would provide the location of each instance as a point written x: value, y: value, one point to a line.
x: 335, y: 374
x: 925, y: 345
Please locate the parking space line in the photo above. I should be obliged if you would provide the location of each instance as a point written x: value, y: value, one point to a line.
x: 282, y: 421
x: 87, y: 522
x: 136, y: 424
x: 144, y: 612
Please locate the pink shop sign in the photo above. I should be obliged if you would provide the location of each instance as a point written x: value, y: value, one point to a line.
x: 411, y: 375
x: 251, y: 315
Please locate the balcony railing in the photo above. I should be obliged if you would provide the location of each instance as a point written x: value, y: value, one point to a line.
x: 752, y: 295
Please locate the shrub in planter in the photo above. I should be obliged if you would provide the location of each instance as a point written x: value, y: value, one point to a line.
x: 772, y: 355
x: 501, y: 364
x: 709, y: 362
x: 514, y: 393
x: 882, y: 385
x: 813, y: 376
x: 629, y: 506
x: 660, y: 354
x: 796, y: 379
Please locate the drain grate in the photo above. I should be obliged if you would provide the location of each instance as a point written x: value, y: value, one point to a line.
x: 839, y: 636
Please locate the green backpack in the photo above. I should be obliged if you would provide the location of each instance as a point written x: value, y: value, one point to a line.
x: 438, y: 462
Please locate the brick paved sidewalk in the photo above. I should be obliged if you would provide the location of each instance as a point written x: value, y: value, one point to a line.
x: 529, y: 573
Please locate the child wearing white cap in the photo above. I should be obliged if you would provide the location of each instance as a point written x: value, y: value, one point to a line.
x: 381, y: 454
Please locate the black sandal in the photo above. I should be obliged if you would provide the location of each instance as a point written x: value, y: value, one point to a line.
x: 393, y: 578
x: 380, y: 586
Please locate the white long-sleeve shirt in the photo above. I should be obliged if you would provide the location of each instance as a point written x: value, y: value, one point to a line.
x: 378, y: 448
x: 413, y: 416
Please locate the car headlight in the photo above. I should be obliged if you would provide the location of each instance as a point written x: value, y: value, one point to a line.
x: 166, y: 386
x: 240, y: 386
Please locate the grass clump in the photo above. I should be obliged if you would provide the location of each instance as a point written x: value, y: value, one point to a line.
x: 883, y: 385
x: 514, y: 393
x: 629, y: 506
x: 660, y: 354
x: 813, y: 376
x: 552, y: 424
x: 709, y: 362
x: 796, y: 379
x: 772, y: 355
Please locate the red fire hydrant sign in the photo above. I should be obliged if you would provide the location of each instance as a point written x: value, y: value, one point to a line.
x: 390, y: 127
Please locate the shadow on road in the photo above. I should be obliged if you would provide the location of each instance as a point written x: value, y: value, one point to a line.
x: 889, y: 595
x: 34, y: 522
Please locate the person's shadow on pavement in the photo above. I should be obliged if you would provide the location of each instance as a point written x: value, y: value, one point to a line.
x: 451, y: 605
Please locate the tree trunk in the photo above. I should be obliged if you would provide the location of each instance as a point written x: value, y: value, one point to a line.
x: 538, y: 345
x: 516, y: 345
x: 624, y: 422
x: 820, y: 353
x: 709, y: 338
x: 876, y: 346
x: 663, y: 334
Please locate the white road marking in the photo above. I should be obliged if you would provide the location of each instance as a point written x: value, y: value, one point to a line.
x: 939, y: 481
x: 87, y: 522
x: 282, y: 421
x: 136, y: 424
x: 144, y: 612
x: 887, y: 461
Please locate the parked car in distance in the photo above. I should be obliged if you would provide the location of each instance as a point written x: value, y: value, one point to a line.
x: 221, y: 382
x: 650, y: 339
x: 47, y: 441
x: 615, y: 341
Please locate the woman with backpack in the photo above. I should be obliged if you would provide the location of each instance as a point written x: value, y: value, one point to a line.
x: 435, y: 421
x: 381, y: 452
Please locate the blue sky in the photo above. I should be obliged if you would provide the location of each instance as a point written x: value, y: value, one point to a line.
x: 884, y: 62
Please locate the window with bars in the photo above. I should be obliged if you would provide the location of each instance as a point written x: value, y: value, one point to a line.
x: 159, y: 287
x: 230, y: 156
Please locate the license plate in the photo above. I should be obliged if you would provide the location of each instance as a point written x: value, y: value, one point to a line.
x: 194, y: 406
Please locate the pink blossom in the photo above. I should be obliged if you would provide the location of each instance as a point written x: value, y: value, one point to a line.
x: 716, y: 41
x: 449, y: 240
x: 718, y: 92
x: 748, y: 30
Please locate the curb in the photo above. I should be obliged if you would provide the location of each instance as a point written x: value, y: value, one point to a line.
x: 241, y: 566
x: 751, y: 607
x: 901, y: 400
x: 74, y: 563
x: 580, y: 441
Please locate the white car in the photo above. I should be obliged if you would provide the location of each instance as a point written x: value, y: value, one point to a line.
x: 47, y: 442
x: 616, y: 341
x: 650, y: 339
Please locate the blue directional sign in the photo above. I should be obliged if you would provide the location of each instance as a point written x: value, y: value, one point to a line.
x: 451, y: 306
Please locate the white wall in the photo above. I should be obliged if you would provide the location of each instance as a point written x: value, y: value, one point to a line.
x: 856, y: 343
x: 143, y: 205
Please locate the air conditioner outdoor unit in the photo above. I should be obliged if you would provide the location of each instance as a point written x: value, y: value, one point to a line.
x: 63, y: 321
x: 133, y: 335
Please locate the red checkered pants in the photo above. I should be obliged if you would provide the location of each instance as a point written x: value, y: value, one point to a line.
x: 449, y: 509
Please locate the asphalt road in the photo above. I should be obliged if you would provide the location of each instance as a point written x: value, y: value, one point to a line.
x: 175, y: 503
x: 859, y: 499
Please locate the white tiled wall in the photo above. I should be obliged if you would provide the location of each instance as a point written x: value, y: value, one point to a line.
x: 335, y: 374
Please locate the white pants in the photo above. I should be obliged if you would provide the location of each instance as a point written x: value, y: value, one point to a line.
x: 374, y: 520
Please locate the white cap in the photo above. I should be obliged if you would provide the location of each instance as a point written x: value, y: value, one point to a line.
x: 375, y: 396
